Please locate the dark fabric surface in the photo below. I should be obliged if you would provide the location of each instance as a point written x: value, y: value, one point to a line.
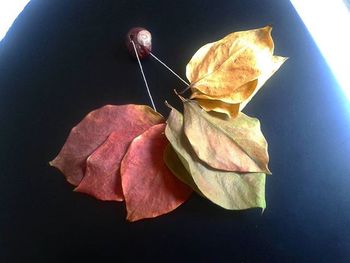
x: 62, y: 59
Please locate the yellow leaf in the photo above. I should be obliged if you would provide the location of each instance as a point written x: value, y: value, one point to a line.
x: 242, y: 93
x: 229, y: 190
x: 234, y: 68
x: 232, y: 145
x: 270, y: 69
x: 231, y: 110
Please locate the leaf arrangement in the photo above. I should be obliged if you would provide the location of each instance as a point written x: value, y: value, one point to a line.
x: 129, y: 153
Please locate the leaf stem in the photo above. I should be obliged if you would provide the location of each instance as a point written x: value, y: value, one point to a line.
x: 144, y: 77
x: 168, y: 68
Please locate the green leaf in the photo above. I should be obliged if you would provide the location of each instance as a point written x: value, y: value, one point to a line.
x: 226, y: 144
x: 226, y: 189
x: 172, y: 160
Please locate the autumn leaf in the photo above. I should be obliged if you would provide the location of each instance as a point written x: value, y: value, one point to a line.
x: 149, y: 187
x: 102, y: 175
x: 227, y: 189
x: 233, y: 69
x: 230, y: 110
x: 270, y: 69
x: 232, y: 145
x: 240, y: 94
x: 127, y: 121
x: 172, y: 160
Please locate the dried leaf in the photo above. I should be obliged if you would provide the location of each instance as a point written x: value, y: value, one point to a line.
x: 102, y: 176
x: 231, y: 110
x: 126, y: 120
x: 232, y: 145
x: 269, y: 70
x: 150, y: 189
x: 227, y: 189
x: 234, y: 68
x: 240, y: 94
x: 172, y: 160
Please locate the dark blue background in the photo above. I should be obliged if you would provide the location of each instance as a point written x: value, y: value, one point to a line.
x: 62, y: 59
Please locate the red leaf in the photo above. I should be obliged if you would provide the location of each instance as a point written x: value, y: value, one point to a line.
x: 102, y: 175
x: 126, y: 120
x: 150, y: 189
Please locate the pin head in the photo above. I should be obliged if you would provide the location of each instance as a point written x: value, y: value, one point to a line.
x: 142, y: 39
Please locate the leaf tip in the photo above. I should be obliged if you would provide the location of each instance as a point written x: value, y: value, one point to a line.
x: 130, y: 219
x: 175, y: 91
x: 168, y: 105
x: 178, y: 94
x: 269, y: 27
